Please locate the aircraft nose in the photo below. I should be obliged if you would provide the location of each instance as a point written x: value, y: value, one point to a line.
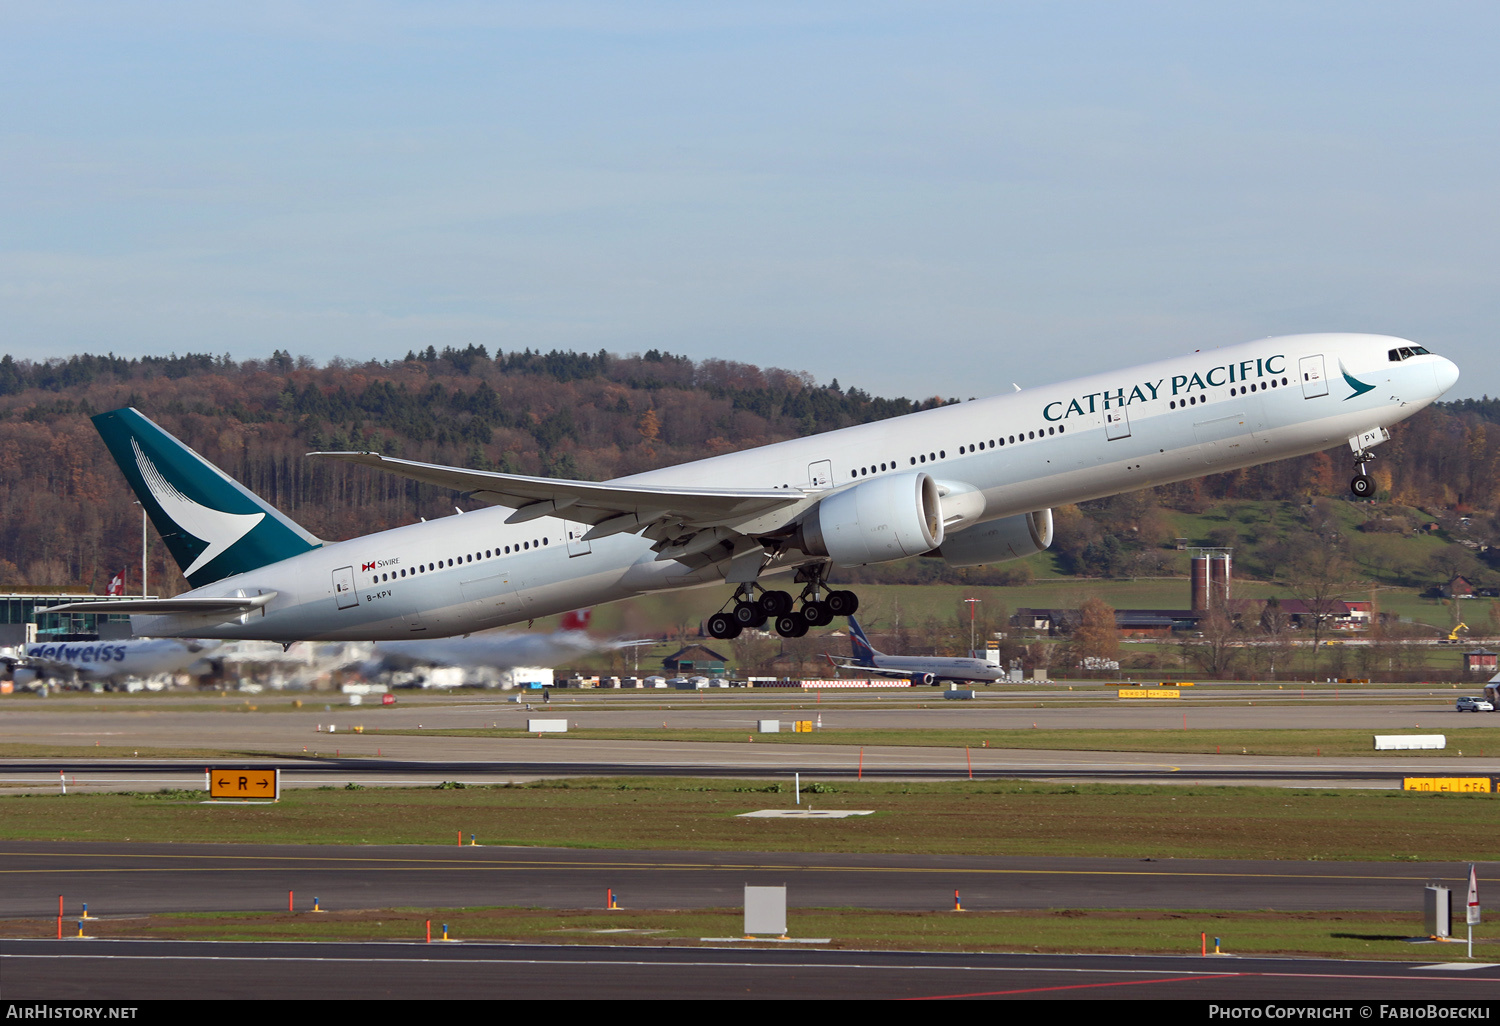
x: 1446, y: 373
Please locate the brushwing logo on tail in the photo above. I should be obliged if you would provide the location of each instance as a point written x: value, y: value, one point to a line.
x: 220, y: 530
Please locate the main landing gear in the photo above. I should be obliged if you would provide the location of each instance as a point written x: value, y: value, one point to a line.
x: 752, y: 611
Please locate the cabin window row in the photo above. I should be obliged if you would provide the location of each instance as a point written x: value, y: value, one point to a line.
x: 967, y: 447
x: 470, y: 557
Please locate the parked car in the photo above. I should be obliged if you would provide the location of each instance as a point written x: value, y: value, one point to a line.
x: 1473, y: 705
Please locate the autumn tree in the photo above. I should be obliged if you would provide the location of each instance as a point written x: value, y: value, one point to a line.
x: 1219, y: 647
x: 1319, y: 574
x: 1096, y: 635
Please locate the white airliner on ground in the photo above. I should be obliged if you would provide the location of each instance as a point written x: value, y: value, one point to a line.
x: 500, y: 651
x: 917, y: 669
x: 971, y: 483
x: 112, y: 661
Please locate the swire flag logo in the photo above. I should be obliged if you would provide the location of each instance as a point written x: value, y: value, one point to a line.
x: 365, y: 568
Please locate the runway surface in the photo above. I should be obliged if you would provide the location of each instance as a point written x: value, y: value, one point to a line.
x: 134, y: 879
x: 139, y: 970
x: 162, y: 720
x: 427, y: 761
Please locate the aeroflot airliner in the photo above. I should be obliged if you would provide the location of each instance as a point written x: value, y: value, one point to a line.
x: 971, y: 483
x: 917, y: 669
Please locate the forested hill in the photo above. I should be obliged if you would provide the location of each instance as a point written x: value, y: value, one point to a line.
x: 70, y: 520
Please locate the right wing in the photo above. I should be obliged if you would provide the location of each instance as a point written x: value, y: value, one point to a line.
x: 589, y: 502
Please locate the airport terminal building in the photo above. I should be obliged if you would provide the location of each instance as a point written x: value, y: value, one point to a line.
x: 19, y: 610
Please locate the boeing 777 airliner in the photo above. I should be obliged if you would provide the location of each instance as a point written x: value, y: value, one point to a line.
x: 971, y: 483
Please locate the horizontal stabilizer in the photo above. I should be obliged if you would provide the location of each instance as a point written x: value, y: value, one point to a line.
x: 229, y: 605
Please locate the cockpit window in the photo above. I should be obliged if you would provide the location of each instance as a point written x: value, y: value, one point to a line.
x: 1397, y: 355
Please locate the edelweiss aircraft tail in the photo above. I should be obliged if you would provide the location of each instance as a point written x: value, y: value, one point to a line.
x: 213, y: 526
x: 864, y: 652
x: 577, y: 620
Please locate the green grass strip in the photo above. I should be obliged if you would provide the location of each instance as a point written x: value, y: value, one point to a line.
x: 959, y: 817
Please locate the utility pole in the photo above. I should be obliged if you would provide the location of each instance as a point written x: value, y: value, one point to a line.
x: 143, y: 551
x: 972, y: 603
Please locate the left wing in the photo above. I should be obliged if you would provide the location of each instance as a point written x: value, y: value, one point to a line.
x: 684, y: 522
x: 845, y: 663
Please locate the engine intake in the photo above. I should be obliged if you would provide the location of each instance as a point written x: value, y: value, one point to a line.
x: 875, y: 521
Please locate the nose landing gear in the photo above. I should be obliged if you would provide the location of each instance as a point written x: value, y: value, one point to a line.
x: 1362, y: 484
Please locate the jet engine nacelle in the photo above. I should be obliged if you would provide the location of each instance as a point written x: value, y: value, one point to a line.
x: 998, y: 540
x: 887, y: 518
x: 923, y: 680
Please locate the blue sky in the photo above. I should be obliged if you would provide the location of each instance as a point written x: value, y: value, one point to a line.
x: 916, y: 198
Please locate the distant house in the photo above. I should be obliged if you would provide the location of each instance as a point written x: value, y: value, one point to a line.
x: 1303, y: 614
x: 695, y: 659
x: 1459, y: 587
x: 1480, y: 660
x: 1361, y: 614
x: 1130, y: 622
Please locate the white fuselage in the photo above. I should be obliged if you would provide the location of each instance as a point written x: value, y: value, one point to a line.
x: 1090, y: 437
x: 941, y: 667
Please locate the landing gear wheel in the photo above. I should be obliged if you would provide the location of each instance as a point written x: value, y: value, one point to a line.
x: 1362, y: 485
x: 749, y: 615
x: 776, y: 603
x: 721, y: 625
x: 789, y: 626
x: 816, y: 614
x: 842, y: 603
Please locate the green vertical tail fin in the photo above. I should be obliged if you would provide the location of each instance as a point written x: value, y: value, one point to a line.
x: 214, y: 526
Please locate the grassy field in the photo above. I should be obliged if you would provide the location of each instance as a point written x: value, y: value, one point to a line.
x: 1335, y: 934
x: 980, y: 818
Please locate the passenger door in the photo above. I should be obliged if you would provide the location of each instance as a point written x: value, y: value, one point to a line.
x: 1314, y: 381
x: 1116, y: 424
x: 344, y: 591
x: 576, y: 545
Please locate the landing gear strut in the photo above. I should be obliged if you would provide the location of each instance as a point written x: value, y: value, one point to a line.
x: 1362, y: 484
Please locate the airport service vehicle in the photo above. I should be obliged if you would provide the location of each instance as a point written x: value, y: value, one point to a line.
x: 1473, y: 705
x: 106, y: 661
x: 917, y: 669
x: 970, y: 483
